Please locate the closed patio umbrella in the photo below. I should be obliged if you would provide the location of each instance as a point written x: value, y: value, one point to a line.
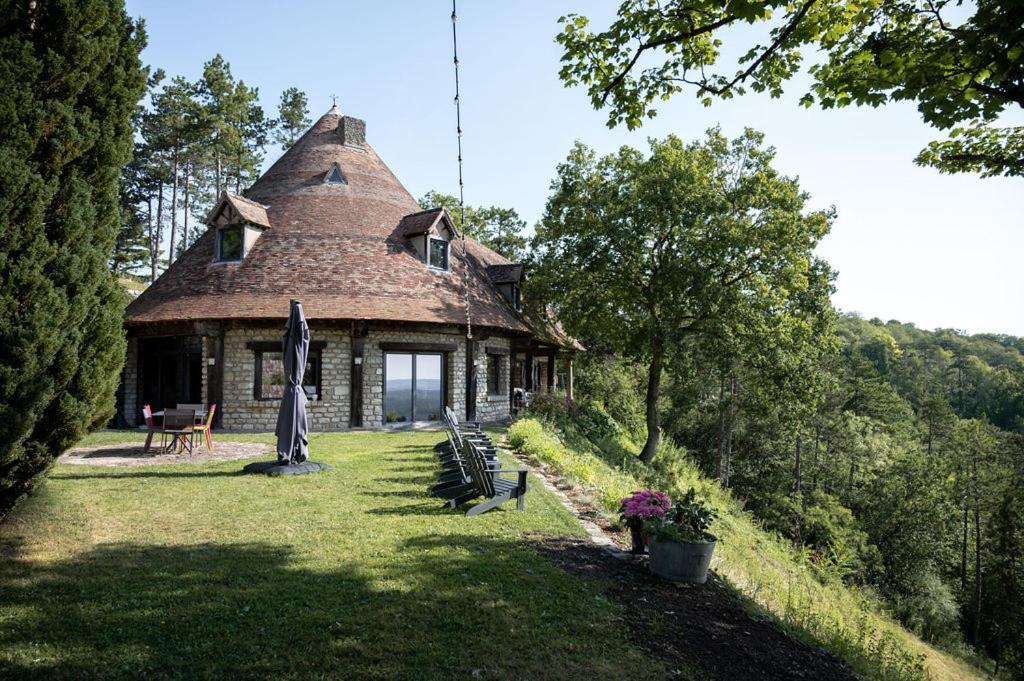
x: 292, y: 425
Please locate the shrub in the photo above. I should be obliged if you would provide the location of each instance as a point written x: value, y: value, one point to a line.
x: 71, y: 79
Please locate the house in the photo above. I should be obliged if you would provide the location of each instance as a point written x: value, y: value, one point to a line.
x: 388, y: 289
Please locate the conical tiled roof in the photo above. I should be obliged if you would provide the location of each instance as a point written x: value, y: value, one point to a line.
x: 339, y: 248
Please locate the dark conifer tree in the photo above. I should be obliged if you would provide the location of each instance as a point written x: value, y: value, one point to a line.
x: 71, y: 78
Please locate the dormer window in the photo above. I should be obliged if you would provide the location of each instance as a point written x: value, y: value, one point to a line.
x: 230, y: 243
x: 238, y: 222
x: 507, y: 279
x: 430, y: 233
x: 437, y: 254
x: 335, y: 176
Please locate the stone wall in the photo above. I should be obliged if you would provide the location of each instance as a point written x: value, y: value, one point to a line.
x: 242, y: 411
x: 131, y: 410
x: 373, y: 369
x: 491, y: 408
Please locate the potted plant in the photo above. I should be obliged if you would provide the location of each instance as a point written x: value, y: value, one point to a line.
x: 640, y: 509
x: 682, y: 546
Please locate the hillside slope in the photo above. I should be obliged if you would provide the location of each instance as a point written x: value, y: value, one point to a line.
x: 758, y: 565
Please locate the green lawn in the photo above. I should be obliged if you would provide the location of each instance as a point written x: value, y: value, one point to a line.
x: 198, y: 571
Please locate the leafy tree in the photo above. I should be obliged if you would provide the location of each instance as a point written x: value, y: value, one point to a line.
x: 703, y: 242
x: 500, y: 229
x: 961, y: 65
x: 71, y: 77
x: 292, y: 117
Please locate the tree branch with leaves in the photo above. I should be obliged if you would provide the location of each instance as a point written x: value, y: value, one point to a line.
x: 958, y: 69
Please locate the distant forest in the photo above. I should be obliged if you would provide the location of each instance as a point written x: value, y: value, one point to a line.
x: 907, y: 476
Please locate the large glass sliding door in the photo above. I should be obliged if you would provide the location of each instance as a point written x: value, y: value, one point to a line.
x: 413, y: 387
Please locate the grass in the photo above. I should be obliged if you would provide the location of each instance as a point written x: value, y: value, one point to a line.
x: 759, y: 565
x: 198, y: 571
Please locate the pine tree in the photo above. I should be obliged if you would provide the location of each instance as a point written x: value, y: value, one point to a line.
x: 71, y: 77
x: 131, y: 249
x: 237, y: 125
x: 173, y: 126
x: 293, y: 117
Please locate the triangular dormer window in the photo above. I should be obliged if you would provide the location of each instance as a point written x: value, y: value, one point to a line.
x: 334, y: 176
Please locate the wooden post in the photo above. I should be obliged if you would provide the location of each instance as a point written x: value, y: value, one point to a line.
x: 215, y: 377
x: 569, y: 392
x: 528, y: 372
x: 359, y: 333
x: 470, y: 380
x: 551, y: 371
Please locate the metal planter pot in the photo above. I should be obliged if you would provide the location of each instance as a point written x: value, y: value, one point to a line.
x: 681, y: 562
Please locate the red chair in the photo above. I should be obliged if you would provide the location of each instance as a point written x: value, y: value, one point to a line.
x: 207, y: 427
x: 147, y: 411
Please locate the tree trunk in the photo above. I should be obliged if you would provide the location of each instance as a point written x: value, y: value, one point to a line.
x: 653, y: 391
x: 159, y: 222
x: 726, y: 426
x: 184, y: 207
x: 174, y: 205
x: 720, y: 449
x: 797, y: 466
x: 219, y: 169
x: 152, y: 243
x: 976, y: 624
x: 817, y: 446
x: 963, y: 551
x: 975, y: 634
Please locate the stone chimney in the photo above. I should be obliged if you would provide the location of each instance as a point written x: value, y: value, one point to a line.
x: 352, y: 131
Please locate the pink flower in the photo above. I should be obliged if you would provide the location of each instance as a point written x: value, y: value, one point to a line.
x: 645, y: 504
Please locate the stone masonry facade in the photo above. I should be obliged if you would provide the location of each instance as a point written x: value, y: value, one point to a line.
x: 490, y: 408
x: 130, y: 406
x: 241, y: 411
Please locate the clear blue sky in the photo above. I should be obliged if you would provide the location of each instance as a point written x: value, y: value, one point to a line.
x: 909, y: 243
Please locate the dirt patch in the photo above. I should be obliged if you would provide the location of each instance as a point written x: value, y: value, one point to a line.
x: 133, y: 454
x: 701, y: 632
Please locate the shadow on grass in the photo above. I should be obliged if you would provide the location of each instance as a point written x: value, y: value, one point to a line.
x: 149, y: 474
x: 432, y: 507
x: 419, y: 480
x: 446, y: 606
x: 412, y: 448
x: 401, y: 494
x: 427, y: 467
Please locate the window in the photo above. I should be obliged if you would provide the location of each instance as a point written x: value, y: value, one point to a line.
x: 230, y: 243
x: 413, y: 387
x: 494, y: 375
x: 334, y: 176
x: 437, y: 255
x: 270, y: 381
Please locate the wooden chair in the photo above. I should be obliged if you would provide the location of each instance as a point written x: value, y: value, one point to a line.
x: 489, y: 484
x: 180, y: 424
x: 207, y: 428
x: 147, y: 412
x: 447, y: 448
x: 450, y: 450
x: 197, y: 408
x: 455, y: 481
